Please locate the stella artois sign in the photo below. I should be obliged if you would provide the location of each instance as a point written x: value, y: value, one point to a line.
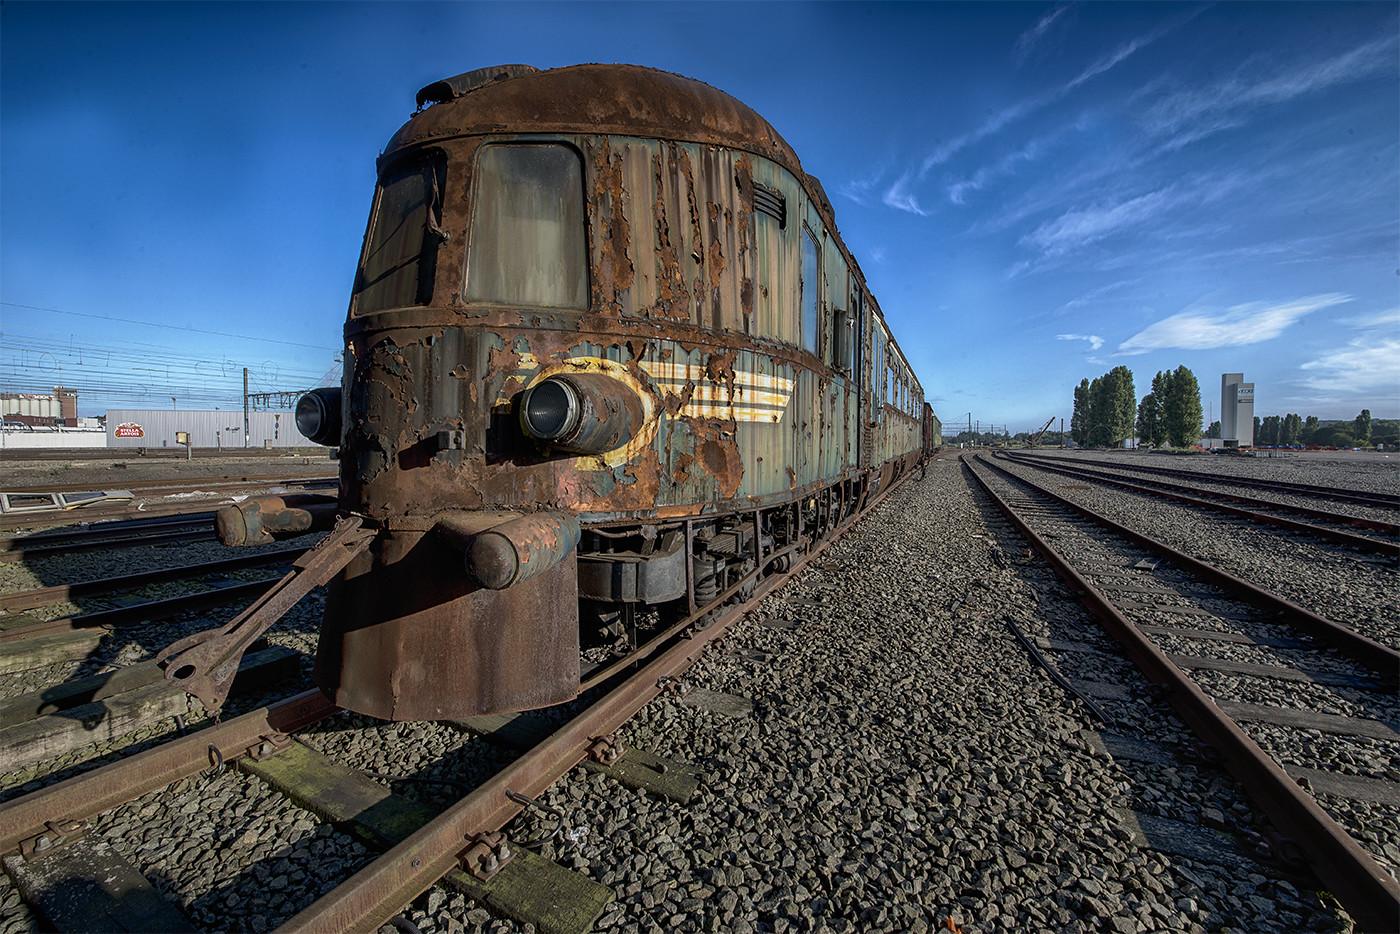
x: 130, y: 430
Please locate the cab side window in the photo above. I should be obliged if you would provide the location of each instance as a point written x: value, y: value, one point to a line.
x: 400, y: 258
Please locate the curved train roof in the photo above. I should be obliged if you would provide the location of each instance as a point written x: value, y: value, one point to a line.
x: 625, y: 100
x: 620, y: 99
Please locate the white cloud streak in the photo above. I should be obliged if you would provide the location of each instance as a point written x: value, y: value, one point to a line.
x: 1081, y: 227
x: 1370, y: 367
x: 1028, y: 39
x: 1016, y: 111
x: 1236, y: 326
x: 899, y: 196
x: 1006, y: 165
x: 1191, y: 114
x: 1379, y: 319
x: 1095, y: 342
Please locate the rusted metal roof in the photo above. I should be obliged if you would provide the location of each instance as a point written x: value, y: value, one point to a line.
x: 625, y: 99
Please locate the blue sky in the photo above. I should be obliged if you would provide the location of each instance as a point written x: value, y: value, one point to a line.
x: 1037, y: 192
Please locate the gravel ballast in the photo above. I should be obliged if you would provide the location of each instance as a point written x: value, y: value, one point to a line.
x: 905, y: 763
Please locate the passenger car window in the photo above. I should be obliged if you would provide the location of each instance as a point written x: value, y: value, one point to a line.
x: 401, y: 258
x: 811, y: 274
x: 527, y: 231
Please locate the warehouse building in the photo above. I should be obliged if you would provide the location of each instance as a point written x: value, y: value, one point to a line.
x: 157, y: 428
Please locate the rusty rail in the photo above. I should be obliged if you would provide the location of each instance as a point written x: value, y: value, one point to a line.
x: 1175, y: 492
x: 102, y: 789
x: 1353, y: 875
x: 1381, y: 658
x: 1340, y: 494
x: 379, y: 891
x: 43, y: 596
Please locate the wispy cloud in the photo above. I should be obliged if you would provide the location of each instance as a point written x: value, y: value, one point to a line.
x: 1236, y: 326
x: 1020, y: 109
x: 1190, y: 114
x: 862, y: 189
x: 1095, y: 342
x: 1084, y: 226
x: 899, y: 196
x: 1094, y: 295
x: 1008, y: 164
x: 1032, y: 36
x: 1377, y: 319
x: 1361, y: 367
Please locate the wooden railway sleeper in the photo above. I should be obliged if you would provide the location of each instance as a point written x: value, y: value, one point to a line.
x: 205, y: 663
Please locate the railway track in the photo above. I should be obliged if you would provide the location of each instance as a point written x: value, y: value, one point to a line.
x: 1340, y: 494
x: 1206, y: 639
x: 153, y: 502
x: 1329, y: 525
x: 462, y: 844
x: 18, y: 628
x: 163, y: 531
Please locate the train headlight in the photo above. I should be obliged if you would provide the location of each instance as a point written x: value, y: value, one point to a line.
x: 550, y: 410
x: 318, y: 415
x: 581, y: 413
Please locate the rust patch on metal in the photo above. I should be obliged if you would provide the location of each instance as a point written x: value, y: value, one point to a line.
x: 613, y: 273
x: 672, y: 296
x: 718, y: 453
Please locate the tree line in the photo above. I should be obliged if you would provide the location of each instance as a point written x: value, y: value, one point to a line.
x: 1293, y: 428
x: 1105, y: 415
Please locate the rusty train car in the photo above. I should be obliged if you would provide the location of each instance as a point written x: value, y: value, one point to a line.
x: 606, y: 356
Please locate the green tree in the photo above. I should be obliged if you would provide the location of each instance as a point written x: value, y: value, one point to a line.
x: 1258, y: 430
x: 1292, y: 428
x: 1122, y: 405
x: 1149, y: 414
x: 1361, y: 427
x: 1181, y: 408
x: 1336, y: 435
x: 1214, y: 430
x: 1078, y: 429
x: 1272, y: 430
x: 1310, y: 426
x: 1096, y: 419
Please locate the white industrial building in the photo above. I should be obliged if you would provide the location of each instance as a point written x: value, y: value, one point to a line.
x: 1236, y: 411
x: 156, y: 428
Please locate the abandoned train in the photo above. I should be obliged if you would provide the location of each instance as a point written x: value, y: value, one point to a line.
x: 606, y: 354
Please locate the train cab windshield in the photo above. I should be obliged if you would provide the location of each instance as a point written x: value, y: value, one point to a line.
x: 527, y: 233
x: 401, y: 258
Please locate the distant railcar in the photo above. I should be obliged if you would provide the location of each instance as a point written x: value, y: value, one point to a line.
x: 606, y: 357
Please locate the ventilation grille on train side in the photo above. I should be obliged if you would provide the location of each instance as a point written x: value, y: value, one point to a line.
x: 770, y: 202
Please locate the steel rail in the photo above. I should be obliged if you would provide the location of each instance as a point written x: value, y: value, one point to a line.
x: 86, y: 531
x: 222, y: 484
x: 106, y: 541
x: 1375, y: 655
x: 1341, y: 494
x: 1161, y: 491
x: 44, y: 596
x: 149, y: 611
x: 1369, y: 894
x: 1375, y: 525
x: 379, y: 891
x: 102, y: 789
